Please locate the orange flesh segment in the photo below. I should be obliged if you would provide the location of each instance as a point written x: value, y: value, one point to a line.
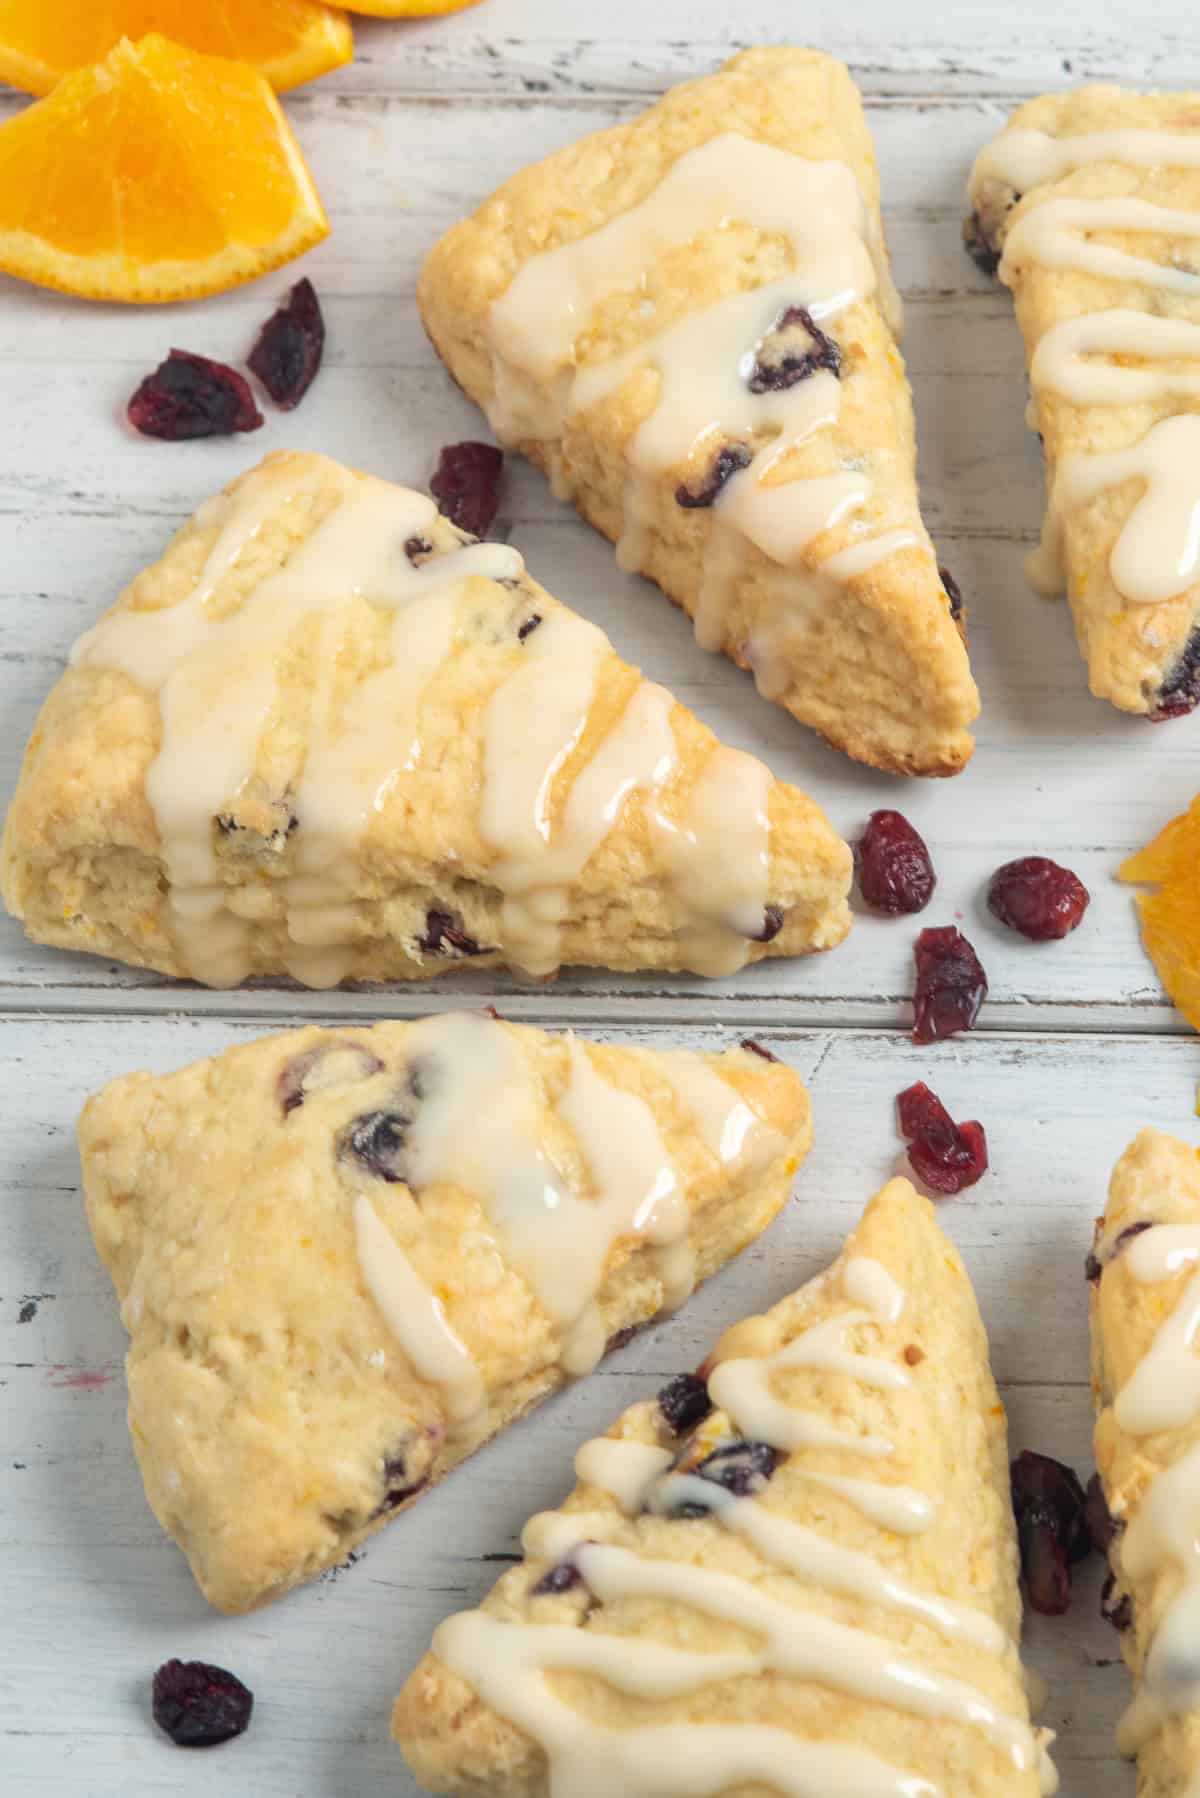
x: 1170, y: 917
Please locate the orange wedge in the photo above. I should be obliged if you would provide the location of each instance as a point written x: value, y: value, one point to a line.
x: 159, y: 174
x: 288, y: 41
x: 1170, y: 917
x: 408, y: 9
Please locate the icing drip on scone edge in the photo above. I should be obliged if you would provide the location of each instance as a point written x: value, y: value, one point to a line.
x: 1161, y: 1538
x: 216, y: 671
x: 471, y: 1119
x: 717, y: 397
x: 511, y: 1665
x: 1106, y: 358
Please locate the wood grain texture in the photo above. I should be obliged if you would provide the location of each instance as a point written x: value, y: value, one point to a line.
x: 1076, y: 1046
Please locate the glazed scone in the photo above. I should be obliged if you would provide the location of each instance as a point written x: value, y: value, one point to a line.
x: 330, y: 736
x: 794, y: 1573
x: 1090, y: 204
x: 1146, y: 1380
x: 689, y: 323
x: 346, y: 1258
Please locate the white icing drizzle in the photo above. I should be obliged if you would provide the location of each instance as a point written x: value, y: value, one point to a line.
x: 1100, y: 358
x: 418, y: 1322
x: 724, y: 1121
x: 1163, y: 1393
x: 509, y: 1664
x: 703, y: 363
x: 718, y: 855
x: 901, y: 1509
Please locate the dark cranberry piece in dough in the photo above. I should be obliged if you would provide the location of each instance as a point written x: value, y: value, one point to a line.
x: 528, y: 626
x: 946, y: 1156
x: 1038, y: 897
x: 418, y: 550
x: 1052, y: 1530
x: 772, y: 925
x: 1180, y: 692
x: 754, y: 1048
x: 979, y: 246
x: 198, y: 1705
x: 794, y: 349
x: 953, y: 592
x: 950, y: 986
x: 1115, y: 1608
x: 684, y: 1402
x: 398, y: 1484
x: 466, y: 485
x: 376, y: 1139
x: 290, y: 345
x: 559, y: 1579
x: 895, y: 868
x: 444, y: 935
x: 727, y: 462
x: 1094, y: 1267
x: 742, y: 1468
x: 307, y: 1072
x: 190, y: 396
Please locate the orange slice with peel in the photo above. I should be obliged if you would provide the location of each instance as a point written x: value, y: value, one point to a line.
x: 288, y: 41
x: 1170, y: 916
x: 159, y: 174
x: 408, y: 9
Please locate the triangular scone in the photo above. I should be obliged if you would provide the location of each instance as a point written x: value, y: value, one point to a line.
x: 347, y: 1258
x: 1146, y: 1380
x: 689, y: 323
x: 809, y: 1588
x: 1090, y: 202
x: 331, y: 736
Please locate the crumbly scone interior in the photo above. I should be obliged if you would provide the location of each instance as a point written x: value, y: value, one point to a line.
x: 1090, y: 204
x: 1145, y: 1306
x: 330, y: 736
x: 689, y: 322
x: 348, y: 1257
x: 792, y: 1573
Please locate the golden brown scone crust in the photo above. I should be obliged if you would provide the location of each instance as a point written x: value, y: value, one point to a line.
x: 882, y: 670
x: 1132, y: 651
x: 266, y: 1390
x: 82, y: 860
x: 1156, y: 1181
x: 949, y: 1435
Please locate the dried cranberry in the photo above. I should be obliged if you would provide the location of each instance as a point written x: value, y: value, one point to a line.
x: 979, y: 246
x: 1115, y: 1608
x: 559, y: 1579
x: 756, y: 1048
x: 950, y: 987
x: 742, y: 1468
x: 189, y: 396
x: 1094, y: 1267
x: 727, y: 462
x: 309, y: 1071
x: 398, y: 1483
x: 466, y: 485
x: 771, y: 926
x: 418, y: 550
x: 290, y: 345
x: 1180, y: 692
x: 953, y: 592
x: 377, y: 1139
x: 1102, y: 1527
x: 781, y: 364
x: 444, y: 935
x: 198, y: 1705
x: 895, y: 870
x: 946, y: 1156
x: 684, y: 1402
x: 528, y: 626
x: 1038, y: 897
x: 1052, y: 1529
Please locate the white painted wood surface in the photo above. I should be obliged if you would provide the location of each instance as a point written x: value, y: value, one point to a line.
x: 1076, y: 1048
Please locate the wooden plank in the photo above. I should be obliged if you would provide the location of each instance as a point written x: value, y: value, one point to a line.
x: 81, y: 1560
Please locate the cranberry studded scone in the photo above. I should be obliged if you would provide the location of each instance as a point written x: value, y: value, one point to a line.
x: 689, y: 323
x: 793, y: 1573
x: 331, y: 736
x: 1089, y: 204
x: 1146, y: 1380
x: 346, y: 1258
